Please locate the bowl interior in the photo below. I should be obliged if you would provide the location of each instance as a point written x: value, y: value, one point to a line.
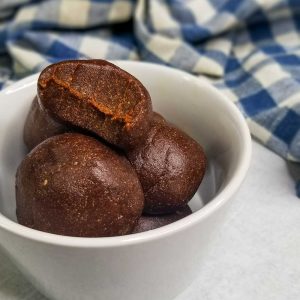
x: 189, y: 103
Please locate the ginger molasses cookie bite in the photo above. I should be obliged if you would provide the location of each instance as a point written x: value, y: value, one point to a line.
x: 39, y: 126
x: 97, y: 96
x: 72, y: 184
x: 170, y: 166
x: 150, y: 222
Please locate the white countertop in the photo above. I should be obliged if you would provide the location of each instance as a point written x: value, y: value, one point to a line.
x: 256, y: 255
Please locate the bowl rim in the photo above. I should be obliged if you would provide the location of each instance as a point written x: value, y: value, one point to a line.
x: 216, y: 202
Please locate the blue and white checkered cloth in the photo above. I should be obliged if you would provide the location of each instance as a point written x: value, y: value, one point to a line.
x: 250, y: 49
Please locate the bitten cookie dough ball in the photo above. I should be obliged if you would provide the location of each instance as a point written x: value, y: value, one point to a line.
x: 170, y: 166
x: 149, y: 222
x: 74, y: 185
x: 97, y: 96
x: 39, y: 126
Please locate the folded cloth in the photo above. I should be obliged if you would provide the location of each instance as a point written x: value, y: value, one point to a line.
x: 250, y: 49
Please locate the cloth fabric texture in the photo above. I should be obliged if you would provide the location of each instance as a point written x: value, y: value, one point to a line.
x: 249, y: 49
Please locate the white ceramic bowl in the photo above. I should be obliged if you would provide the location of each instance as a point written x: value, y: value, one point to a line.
x: 157, y: 264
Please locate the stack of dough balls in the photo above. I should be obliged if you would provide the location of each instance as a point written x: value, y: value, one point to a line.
x: 101, y: 162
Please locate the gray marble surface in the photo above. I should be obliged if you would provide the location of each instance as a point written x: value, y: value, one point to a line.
x: 256, y: 254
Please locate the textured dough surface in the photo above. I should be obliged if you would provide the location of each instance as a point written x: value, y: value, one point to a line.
x: 39, y: 126
x: 170, y: 166
x: 73, y: 185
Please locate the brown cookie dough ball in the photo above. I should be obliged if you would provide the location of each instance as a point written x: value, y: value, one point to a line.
x: 157, y: 118
x: 97, y: 96
x: 149, y: 222
x: 74, y: 185
x: 170, y: 166
x: 39, y: 126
